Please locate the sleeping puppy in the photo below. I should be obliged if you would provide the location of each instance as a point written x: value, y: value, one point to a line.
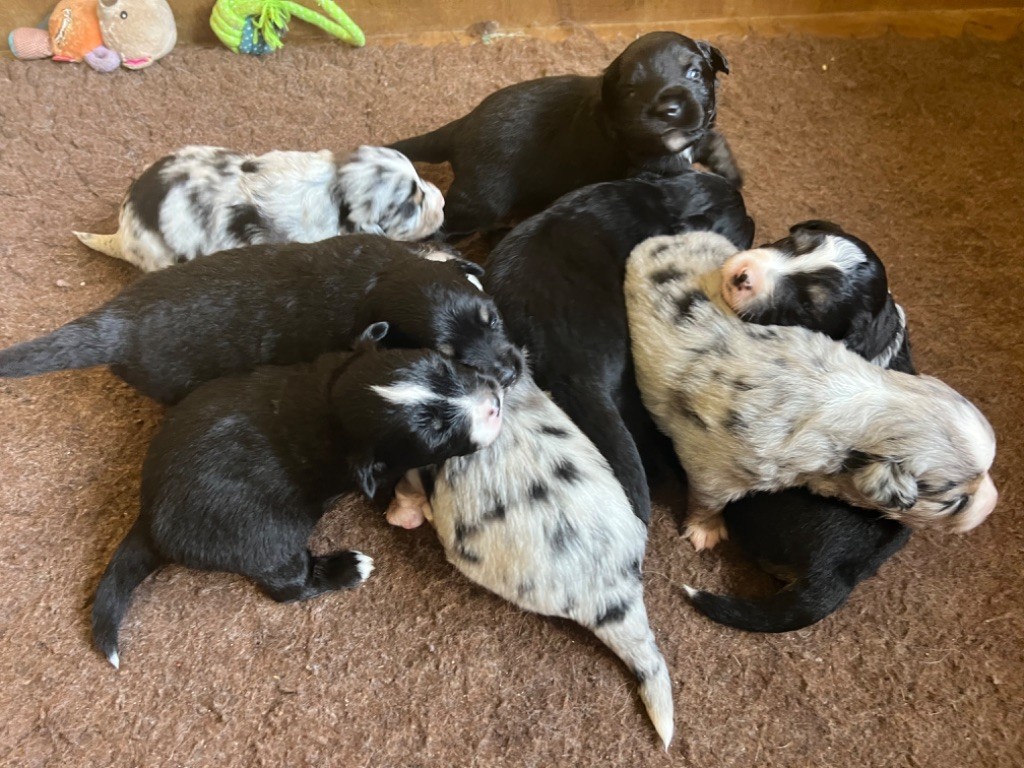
x: 827, y: 280
x: 200, y: 200
x: 228, y: 312
x: 762, y: 408
x: 653, y: 109
x: 242, y: 470
x: 539, y: 519
x: 557, y: 279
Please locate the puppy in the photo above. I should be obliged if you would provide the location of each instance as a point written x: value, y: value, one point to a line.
x: 539, y: 519
x: 200, y: 200
x: 761, y: 408
x: 525, y: 145
x: 825, y: 279
x: 228, y: 312
x: 557, y: 279
x: 244, y: 467
x: 821, y: 547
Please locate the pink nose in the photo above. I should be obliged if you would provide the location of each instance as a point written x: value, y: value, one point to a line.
x: 486, y: 421
x: 744, y: 278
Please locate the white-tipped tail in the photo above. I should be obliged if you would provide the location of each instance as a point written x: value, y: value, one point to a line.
x: 108, y: 244
x: 114, y: 659
x: 690, y: 591
x: 364, y: 564
x: 632, y: 641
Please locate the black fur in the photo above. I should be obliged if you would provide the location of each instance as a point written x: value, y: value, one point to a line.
x: 244, y: 467
x: 557, y: 279
x: 825, y: 545
x: 172, y: 330
x: 854, y: 308
x: 527, y: 144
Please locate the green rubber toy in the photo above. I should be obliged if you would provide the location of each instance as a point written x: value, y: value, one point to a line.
x: 258, y: 26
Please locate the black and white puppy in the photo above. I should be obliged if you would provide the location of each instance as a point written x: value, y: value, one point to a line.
x: 201, y: 200
x: 762, y: 408
x: 525, y: 145
x: 821, y: 547
x: 823, y: 278
x: 538, y: 518
x: 228, y: 312
x: 557, y: 279
x: 244, y: 467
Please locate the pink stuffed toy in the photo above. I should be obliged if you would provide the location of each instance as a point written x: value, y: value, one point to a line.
x: 103, y: 33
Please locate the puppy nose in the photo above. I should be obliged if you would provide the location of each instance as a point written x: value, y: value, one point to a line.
x: 744, y: 279
x: 981, y: 506
x: 512, y: 367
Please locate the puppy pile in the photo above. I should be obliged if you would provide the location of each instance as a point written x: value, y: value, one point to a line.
x: 315, y: 335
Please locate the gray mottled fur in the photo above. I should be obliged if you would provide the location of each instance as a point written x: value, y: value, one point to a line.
x: 539, y: 519
x: 769, y: 407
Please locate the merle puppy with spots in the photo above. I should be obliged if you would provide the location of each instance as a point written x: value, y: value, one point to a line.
x: 557, y: 279
x: 653, y: 109
x: 244, y: 467
x: 228, y: 312
x: 825, y: 279
x: 201, y: 199
x: 762, y: 408
x: 539, y: 518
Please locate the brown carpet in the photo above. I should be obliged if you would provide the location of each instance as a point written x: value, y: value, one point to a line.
x: 916, y: 146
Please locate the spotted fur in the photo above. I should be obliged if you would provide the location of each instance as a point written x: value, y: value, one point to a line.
x: 815, y: 414
x: 564, y: 541
x: 203, y: 199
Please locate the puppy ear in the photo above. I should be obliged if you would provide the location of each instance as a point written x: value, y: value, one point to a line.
x: 374, y: 333
x: 367, y: 474
x: 884, y: 481
x: 714, y: 56
x: 469, y: 267
x: 818, y: 225
x: 871, y: 336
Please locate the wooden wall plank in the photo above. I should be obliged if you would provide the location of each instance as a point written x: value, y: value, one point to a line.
x: 397, y: 18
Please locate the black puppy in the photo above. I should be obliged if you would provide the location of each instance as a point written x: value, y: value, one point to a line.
x: 824, y: 278
x: 822, y: 547
x: 172, y: 330
x: 245, y: 466
x: 523, y: 146
x: 557, y: 279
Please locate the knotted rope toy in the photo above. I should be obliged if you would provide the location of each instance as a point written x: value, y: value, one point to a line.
x: 258, y: 26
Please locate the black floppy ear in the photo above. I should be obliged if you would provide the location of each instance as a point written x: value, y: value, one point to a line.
x: 367, y: 474
x: 610, y: 84
x: 818, y: 225
x: 885, y: 482
x: 469, y: 267
x: 370, y: 337
x: 713, y: 56
x: 871, y: 336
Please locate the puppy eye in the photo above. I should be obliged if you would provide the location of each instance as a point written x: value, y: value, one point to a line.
x: 493, y: 322
x: 957, y: 505
x: 437, y: 424
x: 693, y: 73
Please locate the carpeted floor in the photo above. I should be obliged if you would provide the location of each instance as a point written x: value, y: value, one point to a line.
x: 916, y: 146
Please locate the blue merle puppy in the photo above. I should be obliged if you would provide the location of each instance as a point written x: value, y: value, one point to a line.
x: 539, y: 518
x: 204, y: 199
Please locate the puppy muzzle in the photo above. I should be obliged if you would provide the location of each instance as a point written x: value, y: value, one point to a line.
x: 486, y: 416
x: 746, y: 278
x: 981, y: 506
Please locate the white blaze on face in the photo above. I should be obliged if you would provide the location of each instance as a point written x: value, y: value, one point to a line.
x: 751, y: 276
x: 482, y: 408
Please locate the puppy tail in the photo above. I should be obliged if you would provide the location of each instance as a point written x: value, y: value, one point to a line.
x: 801, y: 604
x: 108, y: 244
x: 133, y: 561
x: 82, y: 343
x: 629, y: 636
x: 433, y: 147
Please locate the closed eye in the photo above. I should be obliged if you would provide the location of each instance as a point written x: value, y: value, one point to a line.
x: 956, y: 506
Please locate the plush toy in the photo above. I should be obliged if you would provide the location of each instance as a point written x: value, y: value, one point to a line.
x: 103, y: 33
x: 257, y: 26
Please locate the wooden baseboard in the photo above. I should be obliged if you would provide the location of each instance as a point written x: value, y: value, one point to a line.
x: 988, y: 23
